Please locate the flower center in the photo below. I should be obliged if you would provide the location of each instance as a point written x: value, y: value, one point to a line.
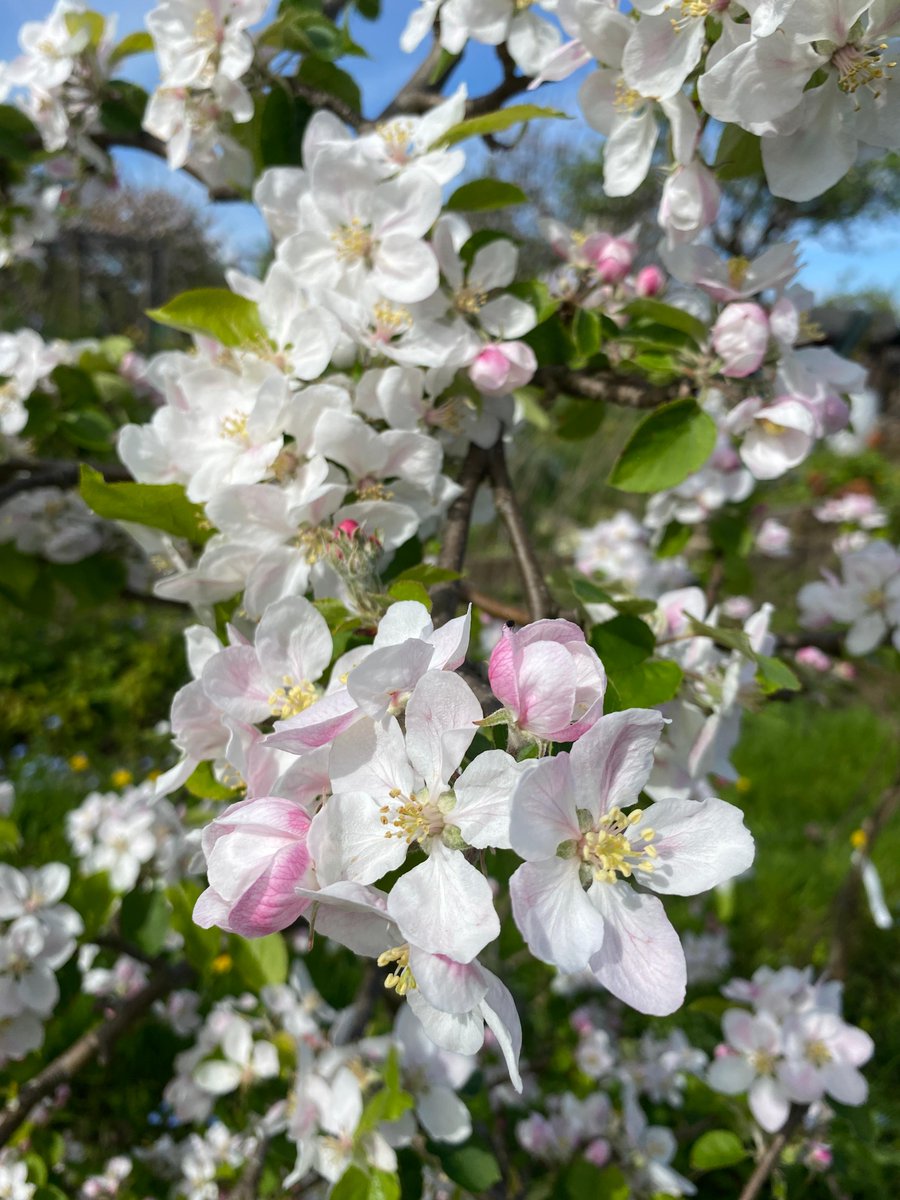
x: 818, y: 1053
x: 606, y: 851
x: 354, y: 241
x: 234, y: 427
x: 205, y: 26
x: 692, y: 10
x: 372, y: 489
x: 398, y: 138
x: 763, y: 1062
x: 772, y: 427
x: 470, y: 300
x: 390, y: 319
x: 292, y: 698
x: 737, y: 270
x: 859, y: 66
x: 626, y: 99
x: 401, y: 978
x: 413, y: 821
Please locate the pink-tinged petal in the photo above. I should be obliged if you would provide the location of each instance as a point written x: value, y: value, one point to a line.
x: 440, y: 725
x: 845, y: 1083
x: 542, y: 813
x: 451, y: 642
x: 234, y: 681
x: 317, y: 725
x: 641, y: 961
x: 445, y: 906
x: 349, y: 841
x: 547, y: 680
x: 210, y: 909
x: 613, y: 760
x: 801, y: 1081
x: 463, y: 1033
x: 556, y: 630
x: 484, y: 799
x: 853, y: 1046
x: 293, y: 639
x: 749, y: 1032
x: 353, y: 915
x: 388, y: 675
x: 554, y: 914
x: 272, y: 902
x: 730, y: 1074
x: 371, y: 757
x: 503, y: 670
x: 699, y: 844
x: 501, y: 1017
x: 448, y: 985
x: 768, y: 1103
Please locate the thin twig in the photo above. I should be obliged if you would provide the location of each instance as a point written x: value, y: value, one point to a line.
x: 494, y: 607
x: 605, y: 385
x: 539, y: 601
x: 247, y: 1187
x: 90, y: 1045
x: 445, y: 596
x: 772, y: 1154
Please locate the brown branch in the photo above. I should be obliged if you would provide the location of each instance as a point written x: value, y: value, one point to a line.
x: 846, y: 903
x: 539, y: 601
x: 23, y: 475
x: 247, y: 1187
x: 493, y: 607
x: 90, y: 1045
x: 772, y: 1153
x: 445, y: 596
x: 626, y: 393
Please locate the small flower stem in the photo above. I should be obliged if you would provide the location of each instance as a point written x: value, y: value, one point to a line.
x: 769, y: 1160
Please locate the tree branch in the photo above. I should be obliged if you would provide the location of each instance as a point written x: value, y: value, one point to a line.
x: 772, y: 1153
x: 23, y: 475
x: 493, y: 607
x: 539, y: 601
x: 445, y: 596
x: 90, y: 1045
x: 627, y: 393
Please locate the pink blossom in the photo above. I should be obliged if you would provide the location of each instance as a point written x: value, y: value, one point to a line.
x: 611, y: 257
x: 256, y: 858
x: 503, y: 367
x: 649, y: 281
x: 813, y: 657
x: 549, y: 679
x: 739, y: 337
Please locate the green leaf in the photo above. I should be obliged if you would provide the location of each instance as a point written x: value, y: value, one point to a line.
x: 18, y: 573
x: 584, y: 1181
x: 90, y: 23
x: 383, y: 1185
x: 93, y: 580
x: 390, y: 1102
x: 717, y: 1148
x: 427, y: 574
x: 533, y: 411
x: 649, y: 683
x: 92, y: 430
x: 710, y: 1006
x: 352, y: 1185
x: 589, y: 592
x: 144, y: 919
x: 622, y: 643
x: 739, y: 154
x: 669, y: 316
x: 260, y: 961
x: 161, y: 506
x: 91, y: 897
x: 325, y: 75
x: 281, y: 125
x: 203, y: 784
x: 19, y: 139
x: 671, y: 443
x: 497, y: 122
x: 409, y: 589
x: 134, y: 43
x: 674, y: 539
x: 215, y: 312
x: 773, y: 675
x: 578, y: 419
x: 731, y: 639
x: 482, y: 195
x: 471, y: 1166
x: 122, y: 107
x: 587, y: 333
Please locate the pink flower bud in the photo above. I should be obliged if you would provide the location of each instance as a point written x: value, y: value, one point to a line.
x: 256, y: 858
x: 348, y: 527
x: 813, y: 657
x: 597, y: 1152
x: 740, y: 337
x: 611, y: 257
x: 549, y: 679
x: 503, y: 367
x: 844, y: 670
x: 650, y: 281
x: 689, y: 204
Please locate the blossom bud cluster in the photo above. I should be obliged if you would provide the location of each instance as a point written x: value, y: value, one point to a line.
x: 793, y: 1047
x: 37, y: 937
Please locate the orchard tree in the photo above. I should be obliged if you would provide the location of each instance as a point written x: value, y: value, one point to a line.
x: 402, y: 915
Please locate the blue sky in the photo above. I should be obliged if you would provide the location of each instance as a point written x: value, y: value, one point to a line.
x: 869, y: 258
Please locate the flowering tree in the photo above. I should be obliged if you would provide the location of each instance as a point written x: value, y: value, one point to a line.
x: 400, y: 898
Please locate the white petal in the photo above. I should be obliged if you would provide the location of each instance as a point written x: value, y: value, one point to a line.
x: 555, y: 915
x: 699, y: 844
x: 641, y: 961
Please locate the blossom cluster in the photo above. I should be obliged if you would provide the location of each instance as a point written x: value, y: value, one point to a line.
x: 866, y: 597
x: 37, y: 938
x: 792, y: 1048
